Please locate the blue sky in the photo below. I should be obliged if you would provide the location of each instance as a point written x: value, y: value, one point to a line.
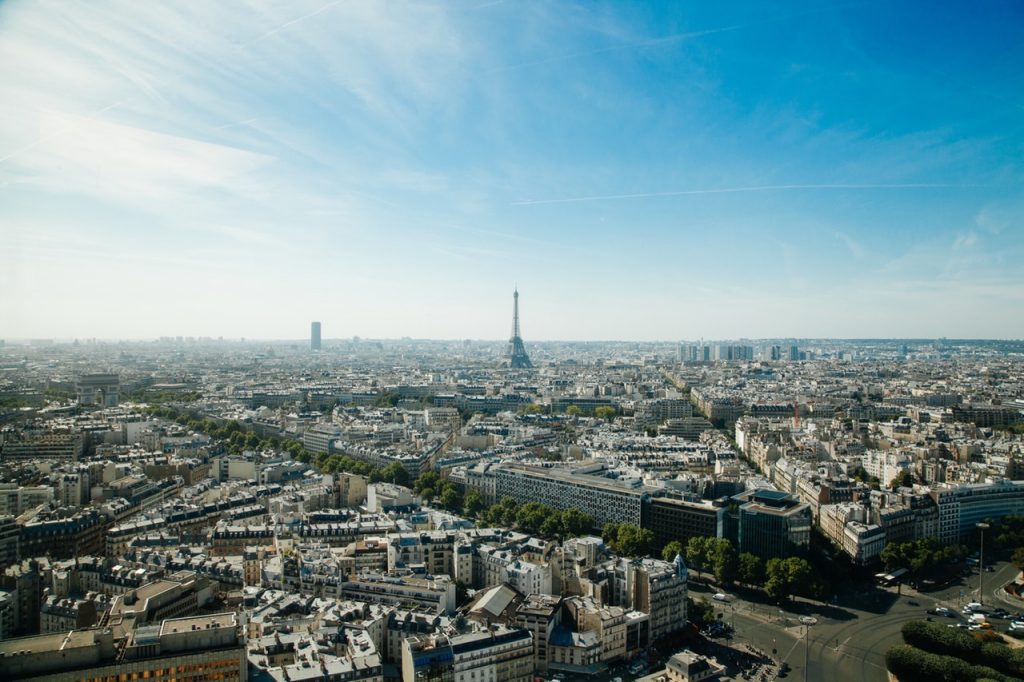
x: 641, y: 170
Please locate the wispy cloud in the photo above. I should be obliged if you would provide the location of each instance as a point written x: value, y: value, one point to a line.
x: 736, y: 190
x: 965, y: 241
x: 629, y: 45
x: 855, y: 248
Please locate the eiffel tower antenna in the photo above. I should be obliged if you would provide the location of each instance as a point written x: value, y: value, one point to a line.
x: 517, y: 357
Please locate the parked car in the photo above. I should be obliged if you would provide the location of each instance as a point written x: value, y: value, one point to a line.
x: 808, y: 620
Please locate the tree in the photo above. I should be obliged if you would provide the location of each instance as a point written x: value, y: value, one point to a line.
x: 671, y: 549
x: 533, y: 408
x: 552, y: 525
x: 573, y: 411
x: 697, y: 553
x: 575, y: 522
x: 610, y: 533
x: 531, y: 515
x: 473, y: 503
x: 451, y: 498
x: 723, y: 559
x: 428, y: 479
x: 1018, y: 558
x: 626, y: 539
x: 788, y: 576
x: 699, y: 611
x: 395, y: 473
x: 605, y: 412
x: 904, y: 479
x: 751, y: 569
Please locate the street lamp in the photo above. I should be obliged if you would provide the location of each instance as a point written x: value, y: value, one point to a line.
x: 807, y: 631
x: 981, y: 564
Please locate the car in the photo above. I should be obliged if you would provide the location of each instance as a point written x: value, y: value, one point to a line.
x: 808, y: 620
x: 974, y: 606
x: 720, y: 596
x: 1017, y: 625
x: 989, y: 569
x: 911, y: 602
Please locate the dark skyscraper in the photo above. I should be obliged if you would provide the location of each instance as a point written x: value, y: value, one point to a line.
x: 517, y: 356
x: 314, y: 336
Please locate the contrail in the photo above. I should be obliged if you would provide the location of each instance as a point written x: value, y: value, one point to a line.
x: 292, y: 21
x: 728, y: 190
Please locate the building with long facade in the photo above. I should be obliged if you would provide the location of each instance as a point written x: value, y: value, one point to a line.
x: 607, y: 500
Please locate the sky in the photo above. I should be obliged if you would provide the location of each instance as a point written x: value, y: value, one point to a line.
x: 647, y: 171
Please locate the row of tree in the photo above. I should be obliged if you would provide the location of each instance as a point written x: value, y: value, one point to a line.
x: 780, y: 578
x: 530, y: 517
x: 921, y: 557
x: 910, y: 664
x: 236, y: 439
x: 949, y: 653
x: 939, y: 639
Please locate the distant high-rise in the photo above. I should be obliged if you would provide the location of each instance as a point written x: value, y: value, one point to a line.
x: 517, y: 357
x: 314, y: 336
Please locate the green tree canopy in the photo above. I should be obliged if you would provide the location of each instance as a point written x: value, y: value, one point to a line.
x: 786, y: 577
x: 751, y: 569
x: 697, y: 553
x: 671, y: 549
x: 627, y: 539
x: 473, y: 503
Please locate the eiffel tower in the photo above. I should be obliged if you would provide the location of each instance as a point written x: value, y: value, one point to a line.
x: 517, y: 357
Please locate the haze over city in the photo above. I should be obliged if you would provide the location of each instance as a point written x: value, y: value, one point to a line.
x: 641, y: 171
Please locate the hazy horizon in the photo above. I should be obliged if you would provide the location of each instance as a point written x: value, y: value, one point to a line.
x: 327, y: 340
x: 661, y: 170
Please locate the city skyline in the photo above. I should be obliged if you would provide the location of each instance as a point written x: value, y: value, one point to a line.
x: 846, y: 171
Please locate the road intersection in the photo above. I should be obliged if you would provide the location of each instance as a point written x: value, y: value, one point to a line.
x: 849, y: 639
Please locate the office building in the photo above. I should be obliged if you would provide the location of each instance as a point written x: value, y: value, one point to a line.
x: 607, y: 500
x: 314, y: 336
x: 674, y: 519
x: 771, y: 524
